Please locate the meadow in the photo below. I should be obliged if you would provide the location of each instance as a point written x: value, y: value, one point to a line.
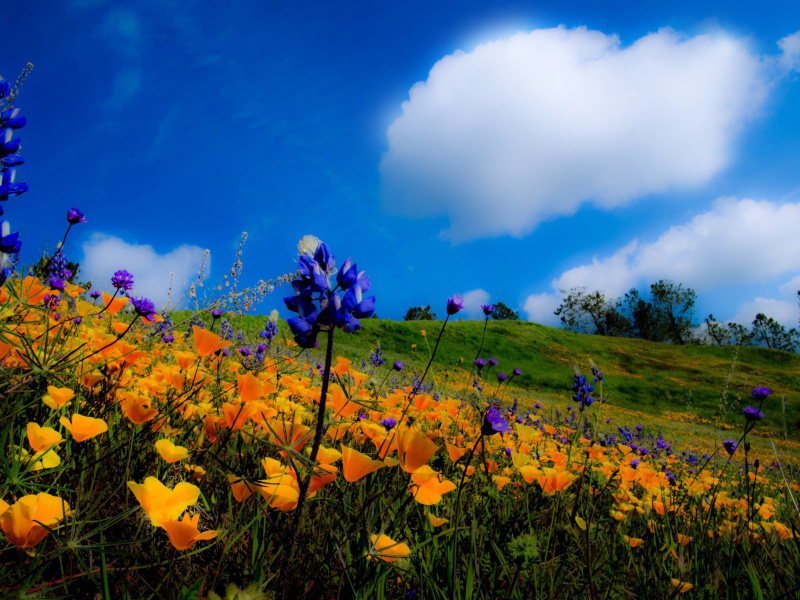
x: 211, y: 454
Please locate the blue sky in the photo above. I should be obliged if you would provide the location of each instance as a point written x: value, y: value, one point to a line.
x: 543, y: 145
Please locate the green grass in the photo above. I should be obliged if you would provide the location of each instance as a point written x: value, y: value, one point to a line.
x: 674, y: 384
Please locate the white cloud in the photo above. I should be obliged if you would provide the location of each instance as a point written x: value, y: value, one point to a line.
x: 105, y: 254
x: 736, y: 242
x: 529, y: 128
x: 790, y: 288
x: 783, y: 312
x: 473, y: 301
x: 790, y: 52
x: 540, y: 308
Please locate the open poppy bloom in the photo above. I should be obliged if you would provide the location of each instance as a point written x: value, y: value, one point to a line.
x: 138, y: 409
x: 356, y: 465
x: 554, y: 480
x: 437, y: 521
x: 250, y: 387
x: 428, y: 487
x: 82, y: 428
x: 414, y: 449
x: 170, y: 452
x: 161, y: 503
x: 681, y: 586
x: 18, y: 521
x: 387, y: 549
x: 57, y: 397
x: 633, y: 542
x: 42, y: 438
x: 207, y: 342
x: 113, y: 305
x: 184, y: 533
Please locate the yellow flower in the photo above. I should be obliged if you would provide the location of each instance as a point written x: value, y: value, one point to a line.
x: 82, y: 428
x: 681, y: 586
x: 184, y: 534
x: 170, y: 452
x: 161, y: 503
x: 19, y: 521
x: 42, y: 438
x: 387, y: 549
x: 57, y: 397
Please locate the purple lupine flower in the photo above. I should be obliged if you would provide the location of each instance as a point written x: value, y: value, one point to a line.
x: 74, y: 216
x: 760, y: 393
x: 454, y: 304
x: 487, y: 309
x: 122, y: 280
x: 751, y: 413
x: 397, y: 366
x: 10, y: 244
x: 56, y: 283
x: 144, y: 307
x: 730, y: 446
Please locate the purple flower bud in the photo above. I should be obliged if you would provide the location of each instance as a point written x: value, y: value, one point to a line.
x: 216, y: 313
x: 730, y: 446
x: 487, y: 309
x: 398, y: 366
x: 143, y: 307
x: 501, y: 377
x: 493, y: 362
x: 760, y: 393
x: 517, y: 372
x: 751, y: 413
x: 480, y: 363
x: 74, y: 216
x: 454, y: 304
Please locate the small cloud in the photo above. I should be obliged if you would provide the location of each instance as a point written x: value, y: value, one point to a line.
x: 782, y: 311
x: 123, y: 32
x: 790, y: 52
x: 473, y: 301
x: 105, y: 254
x: 790, y: 288
x: 126, y: 84
x: 541, y: 308
x: 529, y: 128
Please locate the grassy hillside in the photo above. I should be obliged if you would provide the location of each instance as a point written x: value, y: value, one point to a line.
x: 677, y: 386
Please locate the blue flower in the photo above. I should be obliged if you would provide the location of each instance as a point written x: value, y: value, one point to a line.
x: 10, y: 244
x: 454, y: 304
x: 12, y: 119
x: 494, y: 422
x: 122, y: 280
x: 5, y: 88
x: 74, y: 216
x: 143, y: 307
x: 751, y: 413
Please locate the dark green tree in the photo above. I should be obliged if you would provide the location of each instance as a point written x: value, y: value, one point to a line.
x: 674, y: 307
x: 591, y: 313
x: 767, y: 332
x: 502, y: 312
x: 719, y: 333
x: 420, y: 313
x: 642, y: 316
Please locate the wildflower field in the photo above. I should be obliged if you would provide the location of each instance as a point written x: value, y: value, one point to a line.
x: 202, y: 454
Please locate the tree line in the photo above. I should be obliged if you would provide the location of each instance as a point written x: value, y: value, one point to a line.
x: 666, y: 314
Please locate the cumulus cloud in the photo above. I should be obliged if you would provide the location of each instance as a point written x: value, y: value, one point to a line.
x: 105, y: 254
x: 736, y: 242
x: 541, y: 308
x: 529, y: 128
x: 790, y: 52
x: 790, y: 288
x: 473, y: 301
x: 782, y: 311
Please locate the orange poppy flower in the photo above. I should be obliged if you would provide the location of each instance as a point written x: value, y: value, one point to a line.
x: 633, y: 542
x: 161, y: 503
x: 82, y: 428
x: 184, y: 534
x: 356, y: 465
x: 428, y: 488
x: 250, y: 387
x: 19, y: 521
x: 414, y: 449
x: 42, y: 438
x: 681, y: 586
x: 437, y: 521
x: 170, y: 452
x: 554, y: 480
x: 138, y: 410
x: 57, y: 397
x: 113, y: 305
x: 207, y: 342
x: 240, y: 488
x: 387, y: 549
